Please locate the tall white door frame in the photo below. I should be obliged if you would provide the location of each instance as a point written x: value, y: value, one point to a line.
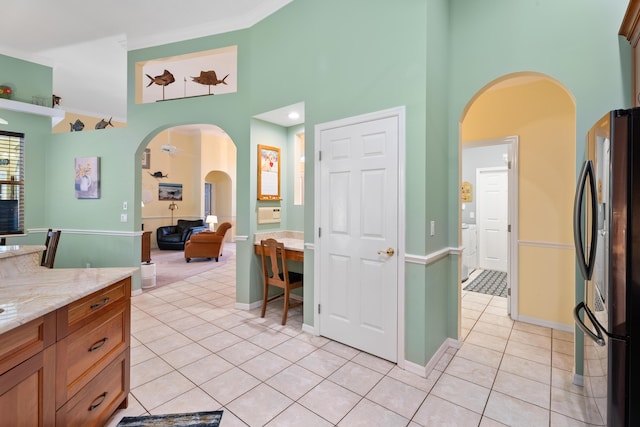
x: 397, y: 114
x: 513, y: 165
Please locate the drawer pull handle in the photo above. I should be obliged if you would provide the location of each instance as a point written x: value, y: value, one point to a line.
x: 99, y: 344
x: 99, y: 304
x: 101, y: 399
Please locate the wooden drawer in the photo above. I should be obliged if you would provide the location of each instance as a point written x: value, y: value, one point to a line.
x: 75, y: 315
x: 94, y: 404
x: 82, y: 354
x: 21, y: 343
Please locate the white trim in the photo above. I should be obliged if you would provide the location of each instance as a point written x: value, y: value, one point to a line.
x: 135, y: 292
x: 90, y: 232
x: 578, y: 380
x: 512, y: 263
x: 546, y: 323
x: 241, y: 238
x: 247, y: 307
x: 548, y: 245
x: 157, y: 217
x: 310, y: 329
x: 311, y: 246
x: 424, y: 371
x: 399, y: 113
x: 432, y: 257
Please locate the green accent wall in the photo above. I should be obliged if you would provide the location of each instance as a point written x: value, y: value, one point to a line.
x: 341, y: 58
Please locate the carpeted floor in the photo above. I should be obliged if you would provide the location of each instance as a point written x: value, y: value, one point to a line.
x: 195, y: 419
x: 172, y: 267
x: 489, y: 282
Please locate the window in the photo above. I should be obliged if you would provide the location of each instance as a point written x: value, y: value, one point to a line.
x: 298, y: 187
x: 11, y: 183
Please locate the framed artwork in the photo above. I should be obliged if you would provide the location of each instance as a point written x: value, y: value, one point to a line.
x: 146, y: 158
x: 87, y: 177
x: 169, y: 191
x: 268, y: 173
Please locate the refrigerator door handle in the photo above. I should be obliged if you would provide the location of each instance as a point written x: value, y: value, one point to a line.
x: 598, y: 337
x: 586, y: 265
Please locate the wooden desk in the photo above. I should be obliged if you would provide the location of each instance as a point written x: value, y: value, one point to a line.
x: 290, y: 254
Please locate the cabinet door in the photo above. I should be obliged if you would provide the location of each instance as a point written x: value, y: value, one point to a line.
x: 27, y: 392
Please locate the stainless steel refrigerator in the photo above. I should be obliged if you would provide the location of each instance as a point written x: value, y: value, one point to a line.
x: 607, y: 239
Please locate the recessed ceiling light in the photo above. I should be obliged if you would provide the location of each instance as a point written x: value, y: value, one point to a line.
x: 294, y: 115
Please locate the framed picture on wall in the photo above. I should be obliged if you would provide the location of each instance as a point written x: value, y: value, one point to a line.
x: 268, y: 173
x: 169, y: 191
x: 87, y: 177
x: 146, y: 158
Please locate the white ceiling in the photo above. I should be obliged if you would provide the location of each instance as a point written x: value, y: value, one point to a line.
x: 86, y: 42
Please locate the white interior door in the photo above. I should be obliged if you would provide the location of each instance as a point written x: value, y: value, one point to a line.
x: 492, y: 210
x: 358, y: 243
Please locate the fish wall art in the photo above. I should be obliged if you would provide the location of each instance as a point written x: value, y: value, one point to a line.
x: 103, y: 123
x: 76, y: 126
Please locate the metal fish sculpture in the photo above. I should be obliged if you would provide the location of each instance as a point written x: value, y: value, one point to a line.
x: 103, y: 123
x: 158, y: 174
x: 76, y: 126
x: 162, y: 80
x: 209, y: 78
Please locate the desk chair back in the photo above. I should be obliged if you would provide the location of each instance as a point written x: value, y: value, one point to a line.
x: 276, y: 273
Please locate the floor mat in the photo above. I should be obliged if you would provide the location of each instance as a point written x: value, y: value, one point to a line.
x: 489, y: 282
x: 194, y: 419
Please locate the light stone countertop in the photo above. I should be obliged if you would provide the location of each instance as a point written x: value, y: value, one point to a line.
x: 18, y: 250
x: 44, y: 290
x: 293, y: 240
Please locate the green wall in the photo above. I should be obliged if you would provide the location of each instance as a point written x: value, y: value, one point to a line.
x: 342, y: 59
x: 572, y: 41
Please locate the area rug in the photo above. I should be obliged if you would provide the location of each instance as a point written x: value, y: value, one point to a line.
x: 489, y: 282
x: 172, y: 267
x: 193, y: 419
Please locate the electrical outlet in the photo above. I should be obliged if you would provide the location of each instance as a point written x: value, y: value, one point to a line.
x: 123, y: 217
x: 125, y: 205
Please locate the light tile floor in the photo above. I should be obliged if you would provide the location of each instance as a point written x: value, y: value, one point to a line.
x: 193, y: 351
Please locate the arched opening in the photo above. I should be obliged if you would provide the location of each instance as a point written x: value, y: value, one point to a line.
x: 179, y: 161
x: 540, y: 113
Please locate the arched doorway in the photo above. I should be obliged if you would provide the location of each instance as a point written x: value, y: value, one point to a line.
x: 184, y: 156
x: 541, y: 113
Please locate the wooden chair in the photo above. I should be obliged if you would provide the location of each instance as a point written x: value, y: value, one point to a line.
x: 276, y: 273
x: 51, y: 243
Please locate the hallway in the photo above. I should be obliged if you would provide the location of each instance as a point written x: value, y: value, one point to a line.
x: 193, y: 351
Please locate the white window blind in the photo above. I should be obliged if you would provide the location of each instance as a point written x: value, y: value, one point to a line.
x: 11, y: 183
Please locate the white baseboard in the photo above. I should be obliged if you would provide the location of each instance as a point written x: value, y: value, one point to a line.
x: 578, y: 380
x: 310, y: 329
x: 135, y: 292
x: 547, y: 324
x: 245, y: 306
x: 424, y: 371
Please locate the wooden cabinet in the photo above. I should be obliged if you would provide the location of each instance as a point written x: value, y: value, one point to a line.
x: 27, y: 374
x: 146, y: 246
x: 630, y: 28
x: 69, y: 367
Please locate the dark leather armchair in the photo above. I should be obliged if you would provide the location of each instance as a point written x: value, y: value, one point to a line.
x: 175, y: 236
